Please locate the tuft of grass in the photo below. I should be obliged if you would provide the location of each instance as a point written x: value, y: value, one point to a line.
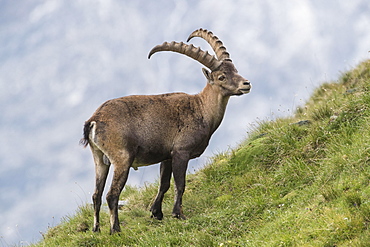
x: 297, y: 181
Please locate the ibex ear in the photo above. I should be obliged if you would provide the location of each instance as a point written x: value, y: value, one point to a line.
x: 207, y: 74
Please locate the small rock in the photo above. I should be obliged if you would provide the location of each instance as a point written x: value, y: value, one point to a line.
x: 303, y: 122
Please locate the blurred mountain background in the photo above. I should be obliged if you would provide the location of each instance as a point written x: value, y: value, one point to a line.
x: 59, y: 60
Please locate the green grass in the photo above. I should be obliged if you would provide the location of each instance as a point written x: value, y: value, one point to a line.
x: 288, y: 184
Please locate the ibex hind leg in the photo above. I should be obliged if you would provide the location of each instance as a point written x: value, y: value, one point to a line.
x: 101, y: 173
x: 122, y: 164
x: 166, y: 171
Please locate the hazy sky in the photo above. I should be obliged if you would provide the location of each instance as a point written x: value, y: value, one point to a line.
x: 61, y: 59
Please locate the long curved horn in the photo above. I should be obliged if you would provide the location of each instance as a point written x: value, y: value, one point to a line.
x: 214, y: 41
x: 196, y: 53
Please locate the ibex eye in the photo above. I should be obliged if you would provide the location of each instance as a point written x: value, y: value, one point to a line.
x: 221, y: 77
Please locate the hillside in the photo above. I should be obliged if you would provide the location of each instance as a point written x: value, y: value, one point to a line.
x: 297, y: 181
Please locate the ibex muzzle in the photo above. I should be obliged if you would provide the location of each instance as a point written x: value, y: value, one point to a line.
x: 172, y: 128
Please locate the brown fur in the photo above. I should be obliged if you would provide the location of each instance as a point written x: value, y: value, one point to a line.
x: 170, y: 128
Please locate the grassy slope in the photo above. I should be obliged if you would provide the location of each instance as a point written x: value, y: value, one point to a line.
x: 287, y: 185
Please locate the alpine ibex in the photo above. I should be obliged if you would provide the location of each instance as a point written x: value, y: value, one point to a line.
x: 169, y: 128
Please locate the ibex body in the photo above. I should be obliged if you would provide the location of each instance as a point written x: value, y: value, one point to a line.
x: 170, y: 128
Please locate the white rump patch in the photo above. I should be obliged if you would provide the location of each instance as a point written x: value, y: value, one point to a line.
x: 92, y: 131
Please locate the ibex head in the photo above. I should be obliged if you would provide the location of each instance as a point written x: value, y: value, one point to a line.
x: 223, y: 72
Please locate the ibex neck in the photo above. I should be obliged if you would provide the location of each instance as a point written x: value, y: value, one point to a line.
x: 214, y: 105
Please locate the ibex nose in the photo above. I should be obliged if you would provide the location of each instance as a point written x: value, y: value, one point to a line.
x: 246, y: 83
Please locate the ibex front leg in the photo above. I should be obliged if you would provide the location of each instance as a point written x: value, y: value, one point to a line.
x: 122, y: 165
x: 179, y: 166
x: 166, y: 171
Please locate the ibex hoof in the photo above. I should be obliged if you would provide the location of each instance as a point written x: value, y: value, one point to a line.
x: 96, y: 229
x: 114, y: 231
x: 179, y: 216
x: 157, y: 216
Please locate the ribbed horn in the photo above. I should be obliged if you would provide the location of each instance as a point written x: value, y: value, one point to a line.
x: 196, y: 53
x: 214, y: 41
